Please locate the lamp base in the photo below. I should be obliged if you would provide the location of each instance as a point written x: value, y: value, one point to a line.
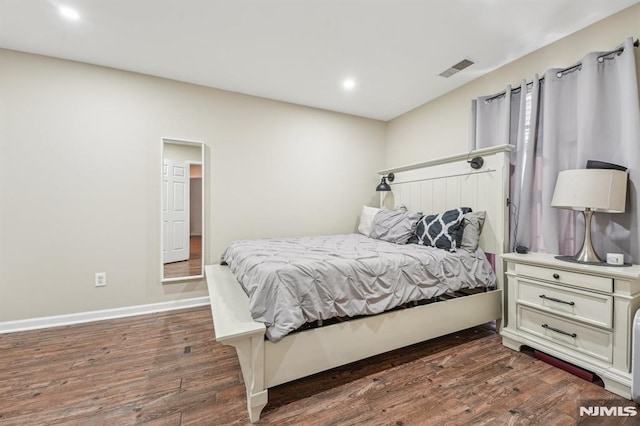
x: 573, y: 259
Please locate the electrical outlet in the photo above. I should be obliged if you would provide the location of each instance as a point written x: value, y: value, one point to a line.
x: 101, y: 279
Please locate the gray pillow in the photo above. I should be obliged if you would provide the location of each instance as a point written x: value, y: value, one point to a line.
x: 473, y: 223
x: 394, y: 226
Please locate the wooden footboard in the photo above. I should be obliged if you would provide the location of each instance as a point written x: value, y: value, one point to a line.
x: 266, y: 364
x: 234, y: 326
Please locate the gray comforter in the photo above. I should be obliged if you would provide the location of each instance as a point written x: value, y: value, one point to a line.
x: 294, y: 281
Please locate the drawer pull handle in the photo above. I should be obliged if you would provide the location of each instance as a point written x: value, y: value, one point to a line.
x: 574, y: 335
x: 556, y: 276
x: 553, y: 299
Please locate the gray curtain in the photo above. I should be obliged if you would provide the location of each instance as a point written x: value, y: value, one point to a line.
x: 524, y: 195
x: 491, y: 120
x: 588, y: 113
x: 502, y: 119
x: 592, y: 113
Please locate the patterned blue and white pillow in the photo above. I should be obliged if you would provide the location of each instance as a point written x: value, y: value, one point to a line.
x: 442, y: 230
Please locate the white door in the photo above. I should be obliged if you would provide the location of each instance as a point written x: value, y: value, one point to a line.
x: 175, y: 211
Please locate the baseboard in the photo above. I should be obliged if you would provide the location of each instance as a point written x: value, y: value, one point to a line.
x: 82, y: 317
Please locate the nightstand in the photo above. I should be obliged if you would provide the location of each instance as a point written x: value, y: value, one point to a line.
x: 581, y: 314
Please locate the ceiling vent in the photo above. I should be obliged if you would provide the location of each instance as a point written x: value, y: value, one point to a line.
x: 456, y: 68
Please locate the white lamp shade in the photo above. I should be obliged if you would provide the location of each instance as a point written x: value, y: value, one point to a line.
x: 600, y: 190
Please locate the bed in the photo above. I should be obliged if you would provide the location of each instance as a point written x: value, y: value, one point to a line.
x: 430, y: 186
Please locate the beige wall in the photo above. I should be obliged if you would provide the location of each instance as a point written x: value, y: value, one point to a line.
x: 441, y: 127
x: 90, y: 140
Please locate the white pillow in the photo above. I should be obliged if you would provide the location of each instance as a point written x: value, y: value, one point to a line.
x: 366, y: 219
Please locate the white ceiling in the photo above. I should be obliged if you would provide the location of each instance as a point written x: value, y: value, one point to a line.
x: 301, y: 51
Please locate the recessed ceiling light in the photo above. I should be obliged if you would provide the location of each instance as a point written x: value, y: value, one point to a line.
x: 68, y: 13
x: 349, y: 84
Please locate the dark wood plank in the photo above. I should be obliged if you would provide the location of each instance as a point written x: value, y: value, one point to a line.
x: 167, y: 369
x: 190, y: 267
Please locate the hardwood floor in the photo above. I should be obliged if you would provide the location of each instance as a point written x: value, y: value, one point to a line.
x: 190, y: 267
x: 166, y: 369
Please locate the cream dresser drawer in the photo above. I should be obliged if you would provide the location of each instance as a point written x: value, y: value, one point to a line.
x: 592, y: 308
x: 575, y: 279
x: 582, y: 338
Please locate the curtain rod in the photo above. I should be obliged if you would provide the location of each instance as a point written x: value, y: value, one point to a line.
x: 562, y: 72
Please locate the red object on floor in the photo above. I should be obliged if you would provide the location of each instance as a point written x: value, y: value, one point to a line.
x: 576, y: 371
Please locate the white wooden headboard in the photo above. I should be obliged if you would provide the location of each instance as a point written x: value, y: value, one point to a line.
x: 450, y: 182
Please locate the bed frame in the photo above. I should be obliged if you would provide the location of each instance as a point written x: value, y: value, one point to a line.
x: 430, y: 187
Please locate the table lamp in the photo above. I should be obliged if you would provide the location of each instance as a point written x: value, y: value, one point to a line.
x: 590, y: 191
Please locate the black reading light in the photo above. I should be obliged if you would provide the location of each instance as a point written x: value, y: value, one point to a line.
x: 476, y: 162
x: 383, y: 185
